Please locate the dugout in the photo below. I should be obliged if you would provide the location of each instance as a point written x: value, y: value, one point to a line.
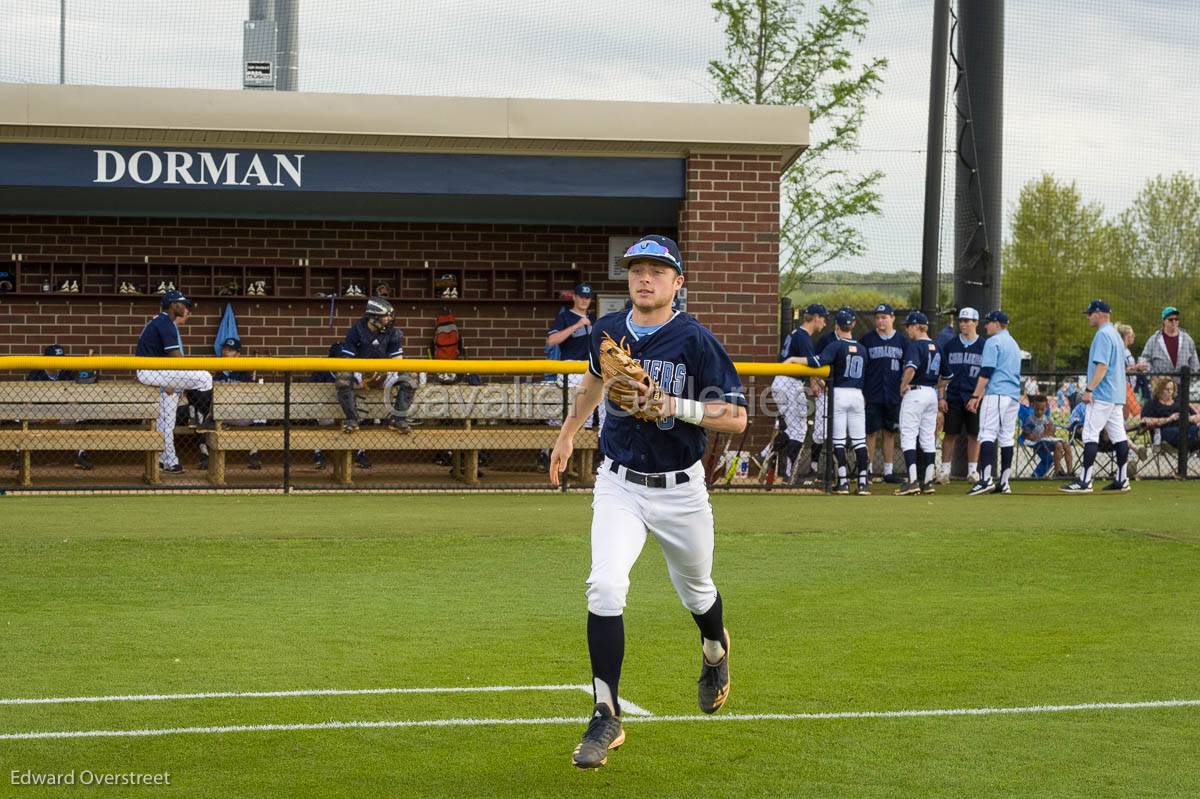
x: 312, y: 193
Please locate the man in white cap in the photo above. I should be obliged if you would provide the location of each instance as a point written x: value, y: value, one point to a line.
x: 961, y: 358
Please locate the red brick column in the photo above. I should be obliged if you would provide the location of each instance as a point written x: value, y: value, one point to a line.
x: 729, y: 239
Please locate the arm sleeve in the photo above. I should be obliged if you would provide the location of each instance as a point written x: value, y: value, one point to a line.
x: 991, y: 356
x: 827, y: 356
x: 1102, y: 349
x: 946, y: 372
x: 594, y: 353
x: 396, y: 345
x: 169, y: 341
x: 350, y: 345
x: 912, y: 356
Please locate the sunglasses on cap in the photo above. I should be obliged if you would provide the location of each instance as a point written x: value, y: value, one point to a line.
x: 651, y: 248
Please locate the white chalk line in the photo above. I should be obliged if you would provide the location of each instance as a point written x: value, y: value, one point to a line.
x: 730, y: 717
x: 627, y: 706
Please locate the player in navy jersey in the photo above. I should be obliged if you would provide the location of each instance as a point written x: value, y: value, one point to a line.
x: 652, y: 480
x: 847, y: 361
x: 919, y: 405
x: 962, y: 358
x: 789, y: 391
x: 881, y: 388
x: 160, y: 339
x: 571, y: 333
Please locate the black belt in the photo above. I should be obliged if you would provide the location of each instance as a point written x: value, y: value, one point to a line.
x: 651, y: 480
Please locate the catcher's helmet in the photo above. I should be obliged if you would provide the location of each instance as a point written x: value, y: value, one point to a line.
x: 381, y: 312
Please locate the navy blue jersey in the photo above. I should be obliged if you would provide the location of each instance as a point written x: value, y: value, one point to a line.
x: 943, y: 338
x: 321, y: 377
x: 846, y: 359
x: 362, y: 342
x: 960, y: 365
x: 923, y: 357
x: 798, y: 345
x: 159, y: 337
x: 687, y: 361
x: 823, y: 342
x: 42, y: 376
x: 882, y: 382
x: 575, y: 348
x: 232, y: 376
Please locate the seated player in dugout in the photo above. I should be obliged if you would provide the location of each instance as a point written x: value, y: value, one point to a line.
x: 232, y: 348
x: 673, y: 384
x: 375, y: 335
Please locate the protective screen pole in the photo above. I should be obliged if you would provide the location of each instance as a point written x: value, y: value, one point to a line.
x: 287, y: 432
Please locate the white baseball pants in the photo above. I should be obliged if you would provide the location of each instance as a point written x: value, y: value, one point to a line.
x: 1106, y: 416
x: 998, y: 419
x: 918, y: 419
x: 849, y: 417
x: 168, y: 402
x: 793, y: 405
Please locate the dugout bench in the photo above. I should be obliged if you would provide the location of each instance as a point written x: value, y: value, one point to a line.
x: 461, y: 419
x: 120, y: 416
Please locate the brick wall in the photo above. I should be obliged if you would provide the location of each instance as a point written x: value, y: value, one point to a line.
x: 729, y: 237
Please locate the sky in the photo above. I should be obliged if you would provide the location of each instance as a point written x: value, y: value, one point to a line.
x: 1102, y: 92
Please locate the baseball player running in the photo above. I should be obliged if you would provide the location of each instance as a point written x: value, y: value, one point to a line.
x: 847, y: 359
x: 919, y: 405
x: 673, y: 384
x: 996, y: 399
x: 160, y: 339
x: 1104, y: 396
x: 789, y: 391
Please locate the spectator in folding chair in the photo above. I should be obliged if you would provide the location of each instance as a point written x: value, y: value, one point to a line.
x: 1161, y: 414
x: 1039, y: 433
x: 55, y: 376
x: 160, y: 339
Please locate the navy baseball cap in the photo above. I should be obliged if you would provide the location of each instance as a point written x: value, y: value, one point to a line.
x: 231, y: 344
x: 175, y: 296
x: 845, y: 316
x: 54, y: 349
x: 997, y: 316
x: 653, y: 248
x: 1097, y: 306
x: 883, y: 307
x: 817, y: 309
x: 916, y: 318
x: 584, y: 290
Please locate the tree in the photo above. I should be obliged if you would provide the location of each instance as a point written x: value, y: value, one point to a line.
x: 1059, y: 254
x: 771, y: 58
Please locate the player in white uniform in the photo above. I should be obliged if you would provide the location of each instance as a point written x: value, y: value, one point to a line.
x: 652, y: 480
x: 160, y: 339
x: 789, y: 391
x: 919, y: 405
x: 1105, y: 400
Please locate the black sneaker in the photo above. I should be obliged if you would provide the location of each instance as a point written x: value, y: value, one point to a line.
x: 907, y: 489
x: 1003, y: 488
x: 1120, y: 486
x: 83, y: 462
x: 713, y: 686
x: 361, y: 460
x: 928, y: 488
x: 603, y: 732
x: 254, y: 462
x: 1076, y: 486
x: 319, y: 462
x: 176, y: 469
x: 981, y: 488
x: 401, y: 426
x: 841, y: 487
x: 350, y: 426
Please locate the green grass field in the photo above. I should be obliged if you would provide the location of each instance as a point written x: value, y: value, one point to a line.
x: 835, y: 604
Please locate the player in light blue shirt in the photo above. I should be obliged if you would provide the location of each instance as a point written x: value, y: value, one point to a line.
x: 1105, y: 400
x: 996, y: 399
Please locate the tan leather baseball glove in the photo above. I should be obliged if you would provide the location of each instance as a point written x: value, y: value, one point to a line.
x: 627, y: 384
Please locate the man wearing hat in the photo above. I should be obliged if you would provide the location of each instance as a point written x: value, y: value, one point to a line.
x: 789, y: 391
x: 1170, y: 348
x: 919, y: 406
x: 962, y: 357
x: 232, y: 348
x: 160, y: 339
x: 61, y: 375
x: 996, y: 398
x: 1104, y: 396
x: 881, y: 387
x: 571, y: 333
